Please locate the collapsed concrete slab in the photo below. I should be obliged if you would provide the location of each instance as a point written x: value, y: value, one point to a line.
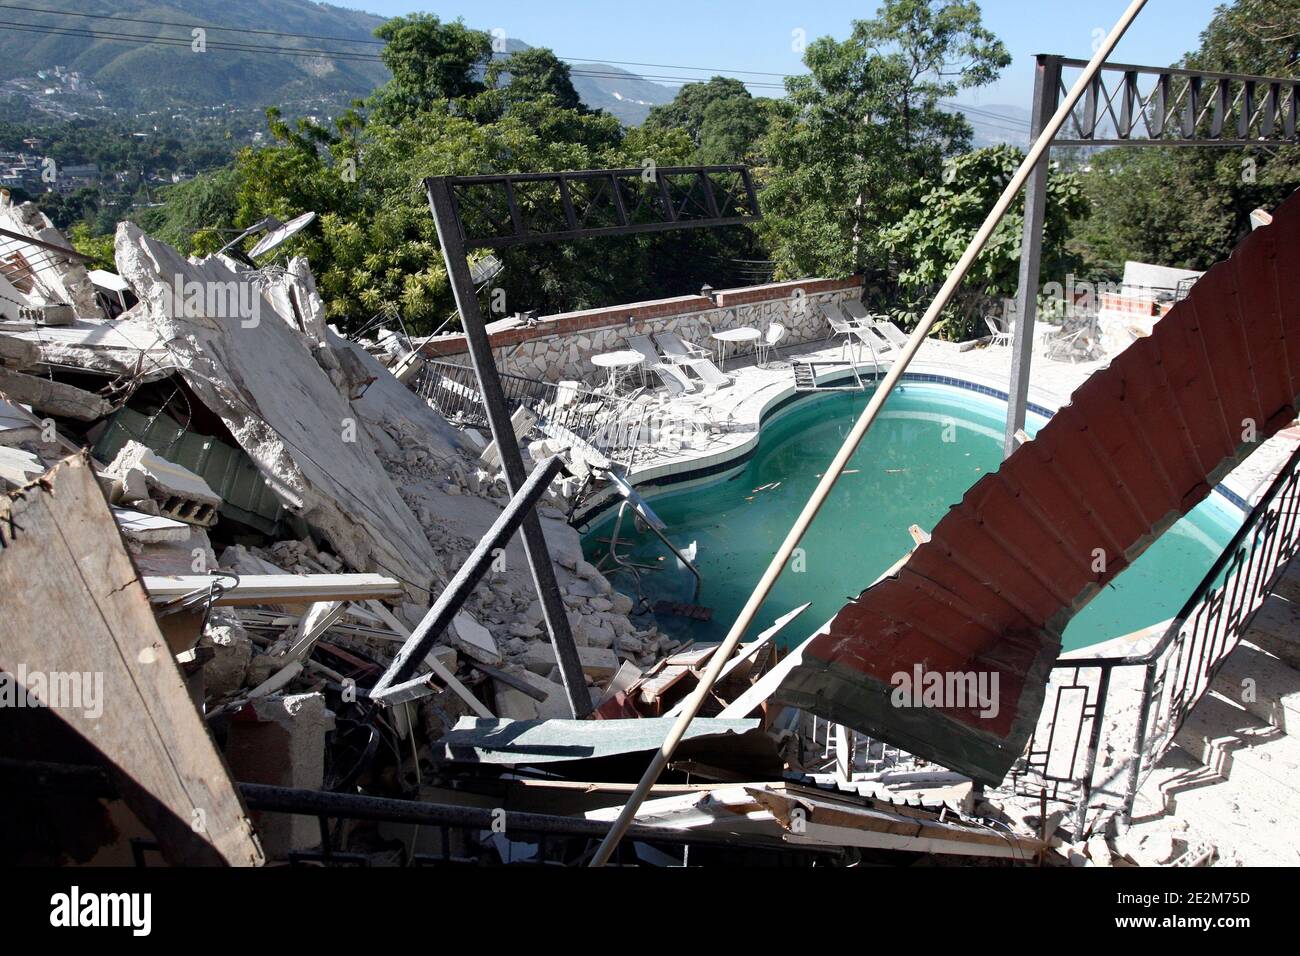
x: 53, y: 279
x: 255, y: 372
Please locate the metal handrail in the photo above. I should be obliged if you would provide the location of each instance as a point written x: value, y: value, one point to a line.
x: 1179, y: 669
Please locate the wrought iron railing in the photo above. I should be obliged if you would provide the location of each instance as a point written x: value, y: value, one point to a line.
x: 626, y: 430
x: 1107, y: 721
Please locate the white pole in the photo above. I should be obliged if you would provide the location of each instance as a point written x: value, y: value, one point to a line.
x: 864, y: 422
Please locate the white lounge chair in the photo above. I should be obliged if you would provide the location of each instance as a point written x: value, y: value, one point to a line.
x: 887, y: 329
x: 842, y: 326
x: 673, y: 378
x: 693, y: 357
x: 1000, y: 336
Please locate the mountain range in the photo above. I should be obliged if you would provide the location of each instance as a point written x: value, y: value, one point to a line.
x: 136, y: 56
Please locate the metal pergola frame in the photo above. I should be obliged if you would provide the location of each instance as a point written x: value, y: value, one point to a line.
x: 1176, y: 108
x: 496, y: 211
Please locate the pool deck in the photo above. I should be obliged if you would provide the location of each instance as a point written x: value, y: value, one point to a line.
x: 730, y: 418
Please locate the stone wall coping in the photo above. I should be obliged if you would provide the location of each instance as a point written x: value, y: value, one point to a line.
x: 513, y: 330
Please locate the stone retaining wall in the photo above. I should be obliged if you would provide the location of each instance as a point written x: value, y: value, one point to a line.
x: 557, y: 347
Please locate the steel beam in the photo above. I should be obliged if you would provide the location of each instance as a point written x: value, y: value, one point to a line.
x: 743, y: 207
x: 1047, y: 81
x: 458, y: 590
x: 445, y: 217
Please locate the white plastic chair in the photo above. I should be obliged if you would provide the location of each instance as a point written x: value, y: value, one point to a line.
x: 842, y: 327
x: 1000, y: 336
x: 881, y: 323
x: 767, y: 345
x: 672, y: 377
x: 693, y: 357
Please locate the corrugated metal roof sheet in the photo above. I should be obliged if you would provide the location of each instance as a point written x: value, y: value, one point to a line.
x: 1141, y: 443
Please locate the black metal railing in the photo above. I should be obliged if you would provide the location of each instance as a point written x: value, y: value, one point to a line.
x: 1107, y: 721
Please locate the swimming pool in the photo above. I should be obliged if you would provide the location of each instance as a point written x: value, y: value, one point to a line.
x: 928, y: 446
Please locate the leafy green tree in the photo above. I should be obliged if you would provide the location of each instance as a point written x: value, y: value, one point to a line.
x: 723, y: 119
x: 532, y: 74
x: 194, y: 212
x: 855, y: 137
x: 929, y: 240
x: 98, y: 247
x: 431, y: 62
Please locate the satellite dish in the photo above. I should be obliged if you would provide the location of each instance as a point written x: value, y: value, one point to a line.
x: 280, y: 233
x: 485, y: 269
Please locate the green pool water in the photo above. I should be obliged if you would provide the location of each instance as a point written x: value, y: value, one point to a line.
x: 929, y: 445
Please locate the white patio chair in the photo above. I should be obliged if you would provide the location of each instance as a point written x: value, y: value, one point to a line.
x: 881, y: 323
x: 691, y: 356
x: 842, y: 327
x: 767, y: 345
x: 672, y: 377
x: 1000, y: 336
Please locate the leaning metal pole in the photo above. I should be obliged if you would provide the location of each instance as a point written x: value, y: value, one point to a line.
x: 489, y: 383
x: 1047, y: 81
x: 832, y: 474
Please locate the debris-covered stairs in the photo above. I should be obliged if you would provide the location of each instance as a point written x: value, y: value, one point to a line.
x: 1231, y: 782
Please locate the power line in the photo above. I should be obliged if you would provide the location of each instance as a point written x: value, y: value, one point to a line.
x: 141, y: 40
x: 365, y: 40
x: 998, y: 120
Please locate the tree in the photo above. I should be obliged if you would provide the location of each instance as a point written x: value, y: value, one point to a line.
x: 194, y: 212
x: 930, y: 239
x: 431, y: 62
x: 532, y: 74
x: 723, y: 119
x: 855, y: 138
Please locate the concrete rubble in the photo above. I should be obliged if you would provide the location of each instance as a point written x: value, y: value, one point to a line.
x: 280, y: 631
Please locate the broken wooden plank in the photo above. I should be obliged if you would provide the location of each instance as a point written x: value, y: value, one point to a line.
x: 274, y: 588
x: 89, y: 616
x: 53, y: 398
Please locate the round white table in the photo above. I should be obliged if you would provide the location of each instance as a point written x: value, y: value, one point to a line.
x: 738, y: 336
x: 616, y: 362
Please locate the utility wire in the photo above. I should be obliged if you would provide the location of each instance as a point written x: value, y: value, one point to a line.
x: 1018, y: 124
x: 300, y: 52
x: 339, y: 39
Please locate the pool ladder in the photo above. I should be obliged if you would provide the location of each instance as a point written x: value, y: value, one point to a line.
x: 644, y: 518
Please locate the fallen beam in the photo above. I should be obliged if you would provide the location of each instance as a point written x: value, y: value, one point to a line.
x: 52, y: 398
x: 247, y: 589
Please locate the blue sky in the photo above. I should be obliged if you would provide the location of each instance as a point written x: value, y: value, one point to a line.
x: 733, y: 35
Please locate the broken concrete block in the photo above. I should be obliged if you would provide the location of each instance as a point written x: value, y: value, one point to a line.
x: 595, y: 634
x: 51, y: 397
x: 18, y: 467
x: 233, y: 650
x: 474, y: 640
x: 598, y: 663
x: 55, y: 279
x: 142, y: 528
x: 516, y: 705
x: 281, y: 741
x: 18, y: 353
x: 179, y: 493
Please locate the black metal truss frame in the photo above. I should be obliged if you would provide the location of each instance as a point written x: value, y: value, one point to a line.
x: 1129, y: 105
x: 523, y: 208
